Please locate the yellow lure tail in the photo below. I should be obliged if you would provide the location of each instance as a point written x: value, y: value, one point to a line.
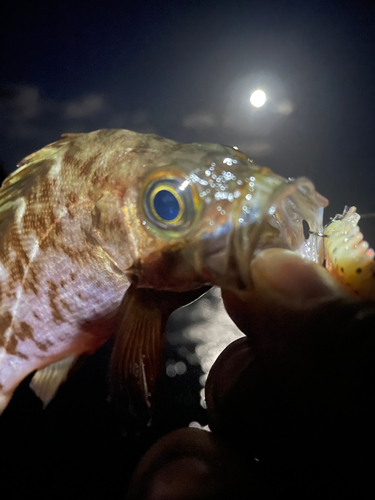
x: 348, y: 256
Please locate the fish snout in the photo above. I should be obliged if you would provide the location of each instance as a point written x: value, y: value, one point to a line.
x: 276, y: 217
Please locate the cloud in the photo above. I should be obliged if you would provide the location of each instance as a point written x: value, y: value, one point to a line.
x: 200, y: 120
x: 87, y: 107
x: 29, y: 120
x: 255, y: 148
x: 285, y: 107
x: 26, y: 103
x: 20, y: 103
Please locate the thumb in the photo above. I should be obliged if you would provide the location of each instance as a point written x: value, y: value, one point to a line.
x: 287, y: 278
x: 284, y: 284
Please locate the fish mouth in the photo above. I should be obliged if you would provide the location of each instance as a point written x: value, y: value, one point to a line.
x: 276, y: 219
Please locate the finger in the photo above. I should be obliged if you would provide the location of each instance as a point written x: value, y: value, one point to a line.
x: 286, y: 277
x: 190, y: 464
x: 285, y: 287
x: 305, y: 404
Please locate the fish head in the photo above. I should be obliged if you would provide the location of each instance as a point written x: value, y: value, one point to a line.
x: 206, y: 210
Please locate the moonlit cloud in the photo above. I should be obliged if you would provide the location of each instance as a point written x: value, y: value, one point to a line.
x: 200, y: 120
x: 30, y: 120
x: 89, y: 106
x: 257, y: 148
x: 26, y: 103
x: 285, y: 107
x: 19, y: 103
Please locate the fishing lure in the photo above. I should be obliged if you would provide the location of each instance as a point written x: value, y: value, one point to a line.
x: 348, y: 256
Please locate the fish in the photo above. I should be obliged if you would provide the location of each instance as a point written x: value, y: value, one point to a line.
x: 104, y: 234
x: 348, y: 256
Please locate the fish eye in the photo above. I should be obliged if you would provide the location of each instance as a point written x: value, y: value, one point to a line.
x: 166, y: 205
x: 170, y: 203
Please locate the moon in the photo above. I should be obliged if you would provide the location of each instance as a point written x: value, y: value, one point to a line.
x: 258, y: 98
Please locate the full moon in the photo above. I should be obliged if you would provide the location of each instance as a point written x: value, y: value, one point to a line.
x: 258, y: 98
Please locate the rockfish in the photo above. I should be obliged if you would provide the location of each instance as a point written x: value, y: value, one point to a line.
x: 106, y: 233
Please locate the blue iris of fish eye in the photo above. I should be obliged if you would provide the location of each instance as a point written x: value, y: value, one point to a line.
x: 166, y: 205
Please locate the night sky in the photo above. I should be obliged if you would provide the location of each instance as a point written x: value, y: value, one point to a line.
x: 185, y: 70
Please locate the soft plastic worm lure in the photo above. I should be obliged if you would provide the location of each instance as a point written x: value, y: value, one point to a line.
x: 348, y: 256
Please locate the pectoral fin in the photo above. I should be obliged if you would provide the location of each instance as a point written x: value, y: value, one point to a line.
x: 139, y: 341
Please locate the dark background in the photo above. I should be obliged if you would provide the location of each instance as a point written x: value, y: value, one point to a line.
x: 184, y: 70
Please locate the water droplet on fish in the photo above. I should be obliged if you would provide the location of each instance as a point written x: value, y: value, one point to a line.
x: 272, y: 210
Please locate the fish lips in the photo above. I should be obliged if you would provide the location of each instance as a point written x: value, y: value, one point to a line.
x: 277, y: 220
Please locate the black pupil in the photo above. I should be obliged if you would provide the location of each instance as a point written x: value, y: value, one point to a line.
x: 166, y: 205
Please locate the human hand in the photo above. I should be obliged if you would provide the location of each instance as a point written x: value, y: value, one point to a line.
x: 290, y: 405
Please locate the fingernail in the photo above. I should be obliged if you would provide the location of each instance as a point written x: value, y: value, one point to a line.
x: 287, y: 274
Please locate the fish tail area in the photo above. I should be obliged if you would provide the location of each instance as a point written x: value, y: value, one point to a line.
x: 348, y: 256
